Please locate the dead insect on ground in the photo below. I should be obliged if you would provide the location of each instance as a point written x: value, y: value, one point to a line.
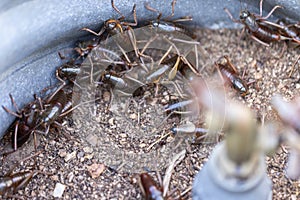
x: 12, y: 182
x: 25, y: 123
x: 176, y: 107
x: 150, y: 188
x: 80, y: 51
x: 118, y: 82
x: 55, y: 107
x: 258, y: 27
x: 114, y: 26
x: 290, y: 30
x: 68, y: 71
x: 83, y: 48
x: 169, y: 26
x: 198, y: 134
x: 228, y: 72
x: 188, y: 128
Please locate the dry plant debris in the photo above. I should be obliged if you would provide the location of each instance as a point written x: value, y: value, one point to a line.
x: 68, y: 159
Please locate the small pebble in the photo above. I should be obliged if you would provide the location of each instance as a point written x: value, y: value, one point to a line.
x: 95, y: 170
x: 54, y: 178
x: 88, y: 149
x: 62, y: 153
x: 70, y: 156
x: 59, y: 190
x: 80, y: 154
x: 142, y: 145
x: 163, y: 101
x: 133, y: 116
x: 89, y: 156
x: 258, y: 75
x: 92, y: 139
x: 111, y: 121
x: 167, y: 98
x: 70, y: 177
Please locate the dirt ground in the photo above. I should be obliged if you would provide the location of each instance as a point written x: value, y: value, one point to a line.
x: 70, y: 159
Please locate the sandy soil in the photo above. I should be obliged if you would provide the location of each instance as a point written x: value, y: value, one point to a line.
x: 69, y: 159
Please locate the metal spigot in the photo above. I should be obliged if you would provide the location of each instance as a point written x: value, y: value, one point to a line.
x: 236, y: 169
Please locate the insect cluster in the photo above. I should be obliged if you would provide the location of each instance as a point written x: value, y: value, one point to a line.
x: 157, y: 61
